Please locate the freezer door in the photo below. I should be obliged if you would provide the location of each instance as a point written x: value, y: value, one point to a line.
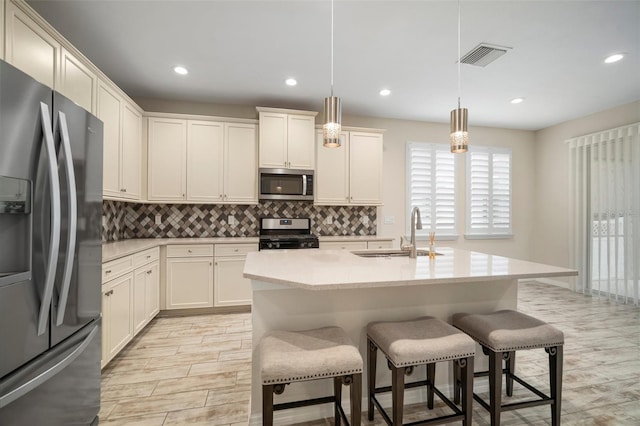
x: 21, y: 151
x: 60, y: 388
x: 77, y: 297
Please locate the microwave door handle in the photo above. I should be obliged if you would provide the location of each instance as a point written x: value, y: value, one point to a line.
x: 54, y: 242
x: 73, y: 217
x: 304, y: 184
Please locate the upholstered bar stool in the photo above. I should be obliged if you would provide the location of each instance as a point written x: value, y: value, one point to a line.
x: 407, y: 344
x: 297, y: 356
x: 501, y: 334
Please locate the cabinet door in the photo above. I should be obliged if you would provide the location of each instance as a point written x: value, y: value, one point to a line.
x: 231, y: 288
x: 152, y: 291
x: 332, y: 172
x: 120, y: 313
x: 189, y: 282
x: 301, y: 142
x: 77, y: 82
x: 167, y: 159
x: 240, y: 160
x: 106, y: 319
x: 29, y: 47
x: 131, y: 152
x: 365, y: 168
x: 205, y: 161
x: 139, y: 299
x: 273, y: 140
x: 109, y: 106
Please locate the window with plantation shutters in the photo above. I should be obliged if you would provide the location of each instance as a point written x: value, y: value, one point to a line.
x: 488, y: 192
x: 431, y: 187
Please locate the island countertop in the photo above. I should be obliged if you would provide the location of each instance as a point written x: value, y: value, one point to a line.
x: 341, y: 269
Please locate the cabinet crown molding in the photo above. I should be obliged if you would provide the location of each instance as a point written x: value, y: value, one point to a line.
x: 286, y: 111
x: 356, y: 129
x: 199, y: 117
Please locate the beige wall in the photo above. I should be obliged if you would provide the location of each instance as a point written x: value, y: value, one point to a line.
x: 551, y: 226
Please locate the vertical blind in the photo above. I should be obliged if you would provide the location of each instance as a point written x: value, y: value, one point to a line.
x: 605, y: 212
x: 489, y: 191
x: 431, y: 186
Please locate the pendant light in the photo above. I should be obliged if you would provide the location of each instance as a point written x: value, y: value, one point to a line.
x: 459, y: 133
x: 332, y: 109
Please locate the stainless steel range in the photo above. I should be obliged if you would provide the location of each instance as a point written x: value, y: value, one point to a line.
x: 282, y: 233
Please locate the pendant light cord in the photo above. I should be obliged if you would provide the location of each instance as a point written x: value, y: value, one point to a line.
x: 458, y: 53
x: 332, y: 48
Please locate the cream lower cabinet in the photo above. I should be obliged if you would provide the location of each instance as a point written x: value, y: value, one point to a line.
x: 230, y: 287
x: 146, y: 288
x: 117, y: 315
x: 189, y: 278
x: 352, y: 173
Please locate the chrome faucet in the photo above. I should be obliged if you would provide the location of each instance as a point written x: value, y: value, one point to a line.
x: 416, y: 223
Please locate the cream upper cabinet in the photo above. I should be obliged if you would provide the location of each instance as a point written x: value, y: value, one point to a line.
x: 332, y: 172
x: 240, y: 163
x: 77, y: 82
x: 167, y: 159
x: 29, y: 47
x: 286, y: 139
x: 122, y: 140
x: 202, y: 161
x: 352, y: 173
x: 365, y: 168
x: 205, y: 145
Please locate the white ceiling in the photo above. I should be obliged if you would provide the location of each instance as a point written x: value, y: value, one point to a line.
x: 240, y: 52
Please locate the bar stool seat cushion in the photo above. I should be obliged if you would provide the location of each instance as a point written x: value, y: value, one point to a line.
x: 508, y: 330
x: 420, y: 341
x: 293, y: 356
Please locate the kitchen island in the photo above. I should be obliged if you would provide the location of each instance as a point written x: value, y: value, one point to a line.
x: 304, y: 289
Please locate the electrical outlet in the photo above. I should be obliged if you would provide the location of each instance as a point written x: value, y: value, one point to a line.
x: 365, y: 220
x: 158, y: 219
x: 231, y: 220
x: 389, y: 220
x: 328, y: 220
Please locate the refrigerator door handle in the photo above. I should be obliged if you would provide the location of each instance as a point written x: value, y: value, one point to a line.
x: 73, y: 218
x: 54, y: 242
x: 30, y: 385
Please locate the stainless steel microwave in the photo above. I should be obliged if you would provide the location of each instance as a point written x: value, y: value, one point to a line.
x: 285, y: 184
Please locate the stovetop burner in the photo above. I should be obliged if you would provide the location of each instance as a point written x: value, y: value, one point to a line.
x: 286, y: 233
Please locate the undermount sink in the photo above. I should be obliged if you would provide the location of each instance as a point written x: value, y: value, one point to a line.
x: 390, y: 253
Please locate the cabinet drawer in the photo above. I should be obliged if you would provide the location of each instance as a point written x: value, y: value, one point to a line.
x: 146, y: 256
x: 187, y: 250
x: 117, y: 267
x: 380, y: 244
x: 346, y: 245
x: 234, y: 249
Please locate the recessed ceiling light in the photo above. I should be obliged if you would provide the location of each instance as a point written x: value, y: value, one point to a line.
x: 181, y: 70
x: 291, y: 81
x: 385, y: 92
x: 517, y: 100
x: 613, y: 58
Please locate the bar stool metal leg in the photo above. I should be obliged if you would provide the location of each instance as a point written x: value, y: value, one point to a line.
x: 372, y: 355
x: 555, y: 379
x: 495, y: 386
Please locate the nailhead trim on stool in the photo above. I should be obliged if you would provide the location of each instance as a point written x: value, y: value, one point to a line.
x: 406, y: 344
x: 501, y: 334
x: 295, y: 356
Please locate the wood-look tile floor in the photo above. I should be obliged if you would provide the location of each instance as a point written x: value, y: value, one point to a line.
x: 196, y: 369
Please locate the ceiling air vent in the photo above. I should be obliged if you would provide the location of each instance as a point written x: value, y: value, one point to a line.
x: 483, y: 54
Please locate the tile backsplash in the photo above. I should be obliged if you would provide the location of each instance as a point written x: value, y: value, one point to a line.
x: 134, y: 220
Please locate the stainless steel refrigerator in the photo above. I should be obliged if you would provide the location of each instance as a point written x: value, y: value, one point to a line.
x: 50, y: 256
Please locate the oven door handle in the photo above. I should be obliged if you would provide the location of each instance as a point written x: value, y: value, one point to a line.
x: 304, y: 184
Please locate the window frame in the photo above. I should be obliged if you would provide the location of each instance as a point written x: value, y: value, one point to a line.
x: 490, y: 232
x: 441, y: 234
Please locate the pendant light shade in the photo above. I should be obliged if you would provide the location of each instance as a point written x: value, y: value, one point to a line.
x: 459, y: 134
x: 332, y: 124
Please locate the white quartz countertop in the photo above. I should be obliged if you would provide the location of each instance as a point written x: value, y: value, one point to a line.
x: 341, y: 269
x: 117, y: 249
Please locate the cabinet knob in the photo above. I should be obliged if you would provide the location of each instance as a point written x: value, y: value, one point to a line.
x: 220, y: 196
x: 108, y: 271
x: 211, y: 263
x: 149, y: 272
x: 189, y: 251
x: 123, y: 190
x: 149, y: 256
